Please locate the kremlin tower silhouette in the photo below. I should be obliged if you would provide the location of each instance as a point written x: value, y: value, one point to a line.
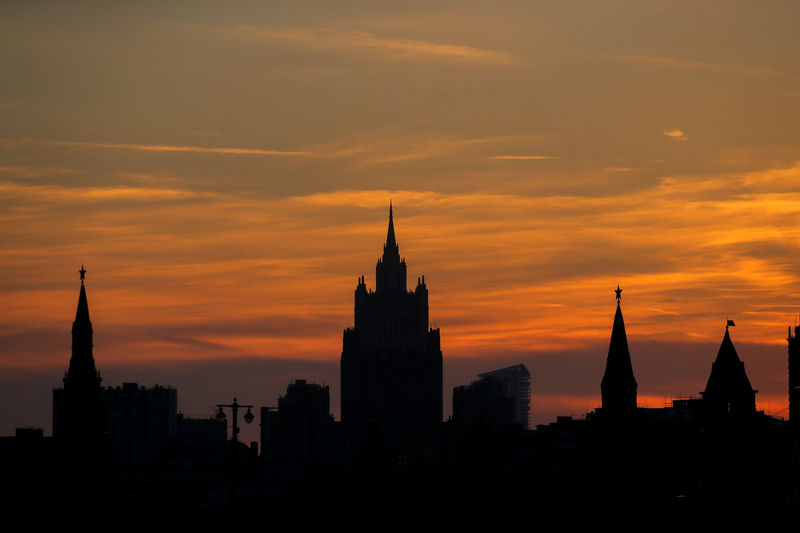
x: 84, y: 455
x: 618, y: 387
x: 78, y: 416
x: 728, y: 392
x: 391, y: 366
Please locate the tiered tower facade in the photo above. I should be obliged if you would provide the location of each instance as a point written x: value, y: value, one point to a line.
x: 391, y: 366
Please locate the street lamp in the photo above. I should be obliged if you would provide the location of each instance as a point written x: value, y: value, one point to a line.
x: 248, y: 417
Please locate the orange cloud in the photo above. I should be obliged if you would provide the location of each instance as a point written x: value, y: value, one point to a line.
x: 622, y: 169
x: 678, y: 135
x: 524, y: 157
x: 397, y: 48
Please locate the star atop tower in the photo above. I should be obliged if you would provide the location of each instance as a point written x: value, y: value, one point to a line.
x: 82, y: 314
x: 618, y: 291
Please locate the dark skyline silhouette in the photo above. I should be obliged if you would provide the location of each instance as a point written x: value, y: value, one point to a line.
x: 223, y: 172
x: 388, y: 274
x: 529, y: 200
x: 127, y: 447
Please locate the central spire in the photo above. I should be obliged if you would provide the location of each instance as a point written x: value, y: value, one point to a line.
x: 390, y: 249
x: 390, y: 272
x: 82, y: 313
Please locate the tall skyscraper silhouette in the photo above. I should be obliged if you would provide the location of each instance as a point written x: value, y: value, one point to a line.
x: 618, y: 387
x: 391, y: 366
x: 78, y: 413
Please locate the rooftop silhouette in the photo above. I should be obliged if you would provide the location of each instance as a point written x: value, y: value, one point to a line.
x: 728, y: 390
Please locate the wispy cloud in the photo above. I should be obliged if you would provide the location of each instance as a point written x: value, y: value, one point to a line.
x: 524, y: 157
x: 20, y: 171
x: 706, y: 66
x: 385, y: 147
x: 159, y: 147
x: 365, y: 150
x: 52, y: 193
x: 360, y: 41
x: 394, y: 152
x: 678, y: 135
x: 622, y: 169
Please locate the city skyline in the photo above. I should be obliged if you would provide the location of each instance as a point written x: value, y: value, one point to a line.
x: 447, y: 392
x: 224, y: 177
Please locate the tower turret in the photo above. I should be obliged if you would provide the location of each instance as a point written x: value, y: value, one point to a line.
x: 728, y: 391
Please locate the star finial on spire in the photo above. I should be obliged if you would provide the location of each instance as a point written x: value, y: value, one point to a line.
x: 618, y: 291
x: 82, y: 273
x: 390, y: 208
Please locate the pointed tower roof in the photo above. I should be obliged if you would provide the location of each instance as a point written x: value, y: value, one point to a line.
x: 81, y: 364
x: 619, y: 386
x: 391, y: 252
x: 727, y: 351
x: 728, y: 382
x: 619, y: 356
x: 390, y: 238
x: 82, y: 313
x: 390, y: 272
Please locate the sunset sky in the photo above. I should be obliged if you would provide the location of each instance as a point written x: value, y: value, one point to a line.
x: 224, y: 171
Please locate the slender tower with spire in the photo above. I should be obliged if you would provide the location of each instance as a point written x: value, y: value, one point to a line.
x: 618, y: 387
x: 391, y: 366
x: 77, y: 408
